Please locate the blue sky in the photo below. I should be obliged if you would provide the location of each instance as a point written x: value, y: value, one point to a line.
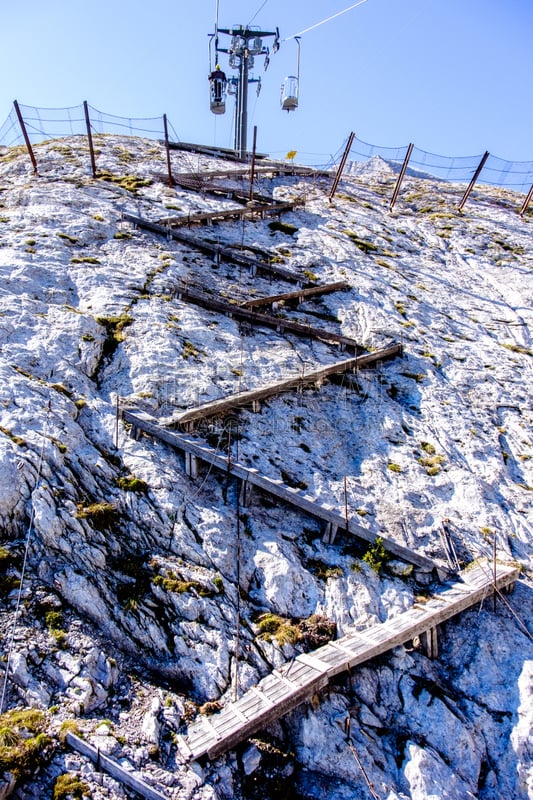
x: 451, y: 76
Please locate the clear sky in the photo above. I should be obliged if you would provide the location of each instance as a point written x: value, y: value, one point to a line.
x: 452, y: 76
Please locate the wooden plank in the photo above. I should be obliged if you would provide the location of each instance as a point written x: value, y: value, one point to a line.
x: 257, y: 319
x: 222, y: 253
x: 349, y: 651
x: 257, y: 209
x: 312, y: 291
x: 298, y: 499
x: 248, y: 397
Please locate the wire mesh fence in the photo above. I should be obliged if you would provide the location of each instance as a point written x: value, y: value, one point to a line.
x: 517, y: 175
x: 50, y: 123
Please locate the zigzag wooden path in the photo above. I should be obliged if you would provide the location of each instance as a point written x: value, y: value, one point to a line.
x: 289, y: 686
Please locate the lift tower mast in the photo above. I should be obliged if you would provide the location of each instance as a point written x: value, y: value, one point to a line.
x: 246, y: 43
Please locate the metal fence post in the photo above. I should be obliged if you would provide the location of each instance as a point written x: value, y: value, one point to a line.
x: 26, y: 137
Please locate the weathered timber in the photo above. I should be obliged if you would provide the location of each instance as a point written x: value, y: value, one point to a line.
x: 252, y: 396
x: 276, y: 488
x: 252, y: 211
x: 256, y: 319
x: 215, y: 152
x: 290, y: 685
x: 298, y: 296
x: 219, y: 252
x: 114, y: 768
x: 202, y: 183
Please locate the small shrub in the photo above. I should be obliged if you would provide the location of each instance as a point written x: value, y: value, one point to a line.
x: 84, y: 260
x: 133, y: 484
x: 103, y: 515
x: 24, y: 746
x: 282, y: 227
x: 377, y: 556
x: 366, y: 247
x: 394, y: 467
x: 67, y: 238
x: 70, y: 787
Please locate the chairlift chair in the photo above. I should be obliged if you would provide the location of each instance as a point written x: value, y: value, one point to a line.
x: 217, y: 91
x: 290, y: 87
x: 289, y: 93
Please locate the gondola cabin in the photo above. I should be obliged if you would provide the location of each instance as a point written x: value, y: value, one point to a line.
x: 217, y: 91
x: 289, y: 93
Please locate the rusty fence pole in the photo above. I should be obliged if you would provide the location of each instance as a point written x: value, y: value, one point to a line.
x: 471, y: 185
x: 252, y: 167
x: 167, y: 147
x: 26, y: 137
x: 400, y: 177
x: 526, y: 201
x: 342, y: 164
x: 89, y: 137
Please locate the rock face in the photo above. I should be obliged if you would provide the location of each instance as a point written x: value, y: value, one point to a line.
x: 144, y: 592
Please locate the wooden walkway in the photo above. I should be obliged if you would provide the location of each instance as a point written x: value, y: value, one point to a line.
x: 253, y: 210
x: 219, y: 252
x: 256, y: 319
x: 299, y: 296
x: 253, y: 397
x: 196, y: 452
x: 289, y: 686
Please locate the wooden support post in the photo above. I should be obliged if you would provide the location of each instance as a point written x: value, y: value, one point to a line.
x: 342, y: 164
x: 330, y: 532
x: 26, y: 137
x: 117, y: 418
x: 256, y: 406
x: 526, y: 202
x: 246, y: 494
x: 167, y: 146
x: 191, y: 465
x: 401, y: 177
x: 89, y: 137
x: 252, y: 167
x: 472, y: 183
x: 430, y: 642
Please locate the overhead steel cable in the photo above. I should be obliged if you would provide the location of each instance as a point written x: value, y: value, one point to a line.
x: 328, y: 19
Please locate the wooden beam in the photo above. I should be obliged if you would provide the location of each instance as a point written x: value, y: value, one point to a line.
x: 315, y: 670
x: 299, y: 295
x: 264, y: 320
x: 246, y: 398
x: 223, y: 253
x: 276, y: 488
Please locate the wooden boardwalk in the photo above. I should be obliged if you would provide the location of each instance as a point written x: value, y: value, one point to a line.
x: 256, y: 319
x: 298, y: 296
x: 219, y: 252
x: 253, y: 397
x: 196, y: 451
x: 253, y: 210
x: 289, y: 686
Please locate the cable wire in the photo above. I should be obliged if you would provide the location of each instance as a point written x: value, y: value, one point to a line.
x: 323, y: 22
x: 257, y: 12
x: 23, y: 572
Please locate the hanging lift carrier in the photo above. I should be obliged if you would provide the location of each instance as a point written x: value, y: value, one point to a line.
x: 290, y: 87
